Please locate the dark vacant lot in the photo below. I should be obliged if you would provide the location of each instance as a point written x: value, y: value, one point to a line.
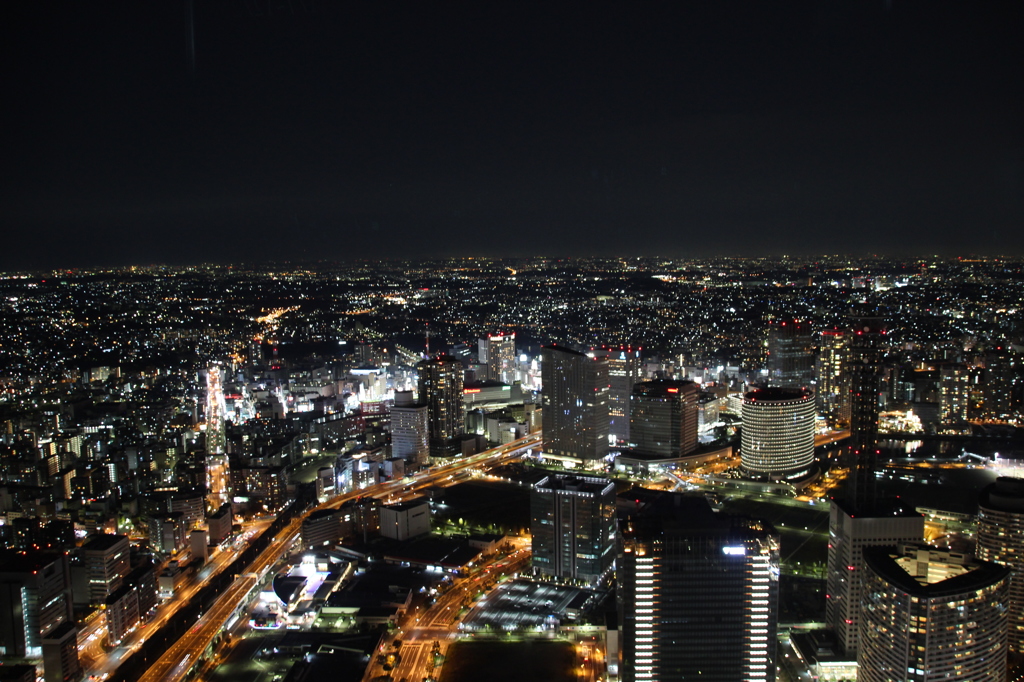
x: 538, y: 660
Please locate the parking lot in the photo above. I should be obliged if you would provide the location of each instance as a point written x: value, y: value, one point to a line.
x: 522, y: 605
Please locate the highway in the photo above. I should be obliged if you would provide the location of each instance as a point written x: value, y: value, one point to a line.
x: 180, y: 657
x: 96, y: 661
x: 440, y: 622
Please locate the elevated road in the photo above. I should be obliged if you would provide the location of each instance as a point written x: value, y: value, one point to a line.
x: 182, y: 656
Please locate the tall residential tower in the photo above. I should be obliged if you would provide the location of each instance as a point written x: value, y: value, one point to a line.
x: 440, y: 389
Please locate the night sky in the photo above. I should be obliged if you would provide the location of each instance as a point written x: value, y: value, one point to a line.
x: 322, y: 130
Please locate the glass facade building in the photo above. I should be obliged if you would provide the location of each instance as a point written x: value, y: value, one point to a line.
x: 572, y: 521
x: 575, y: 402
x: 664, y: 418
x: 698, y: 593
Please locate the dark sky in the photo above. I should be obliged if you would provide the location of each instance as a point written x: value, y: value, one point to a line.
x: 333, y: 130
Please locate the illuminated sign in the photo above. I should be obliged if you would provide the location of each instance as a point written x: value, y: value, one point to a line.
x: 735, y: 551
x: 472, y: 390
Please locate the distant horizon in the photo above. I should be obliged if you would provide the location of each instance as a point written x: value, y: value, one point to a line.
x: 776, y: 258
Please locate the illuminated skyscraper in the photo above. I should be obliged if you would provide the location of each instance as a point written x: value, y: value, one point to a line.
x: 778, y: 434
x: 572, y: 521
x: 790, y: 354
x: 440, y: 388
x: 498, y: 352
x: 849, y: 535
x: 1001, y: 539
x: 954, y: 394
x: 410, y: 429
x: 932, y: 615
x: 664, y: 420
x: 218, y: 468
x: 575, y: 400
x: 698, y: 593
x: 624, y: 371
x: 831, y: 391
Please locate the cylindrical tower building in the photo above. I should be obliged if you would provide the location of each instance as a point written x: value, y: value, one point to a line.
x: 930, y: 615
x: 1001, y: 539
x: 778, y: 434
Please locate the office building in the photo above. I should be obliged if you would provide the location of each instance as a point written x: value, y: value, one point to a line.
x: 790, y: 354
x: 106, y: 560
x: 60, y: 654
x: 321, y: 527
x: 778, y: 434
x: 498, y: 353
x: 850, y: 533
x: 35, y: 601
x: 575, y: 404
x: 219, y: 524
x: 440, y: 389
x: 624, y: 371
x: 168, y: 533
x: 572, y: 520
x: 1001, y: 539
x: 410, y: 429
x: 698, y: 592
x: 406, y: 520
x: 121, y: 609
x: 664, y: 418
x: 932, y: 615
x: 831, y: 391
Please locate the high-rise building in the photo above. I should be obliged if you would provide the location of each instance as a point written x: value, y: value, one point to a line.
x: 440, y: 389
x: 218, y: 468
x: 498, y: 353
x: 35, y: 601
x: 107, y: 562
x: 790, y: 354
x: 664, y: 418
x: 850, y: 533
x: 572, y: 521
x: 864, y: 380
x: 1000, y: 382
x: 1001, y: 539
x: 954, y: 393
x: 778, y: 434
x: 321, y: 527
x: 831, y: 391
x: 575, y: 401
x: 410, y: 429
x: 698, y: 593
x: 624, y: 371
x: 932, y: 615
